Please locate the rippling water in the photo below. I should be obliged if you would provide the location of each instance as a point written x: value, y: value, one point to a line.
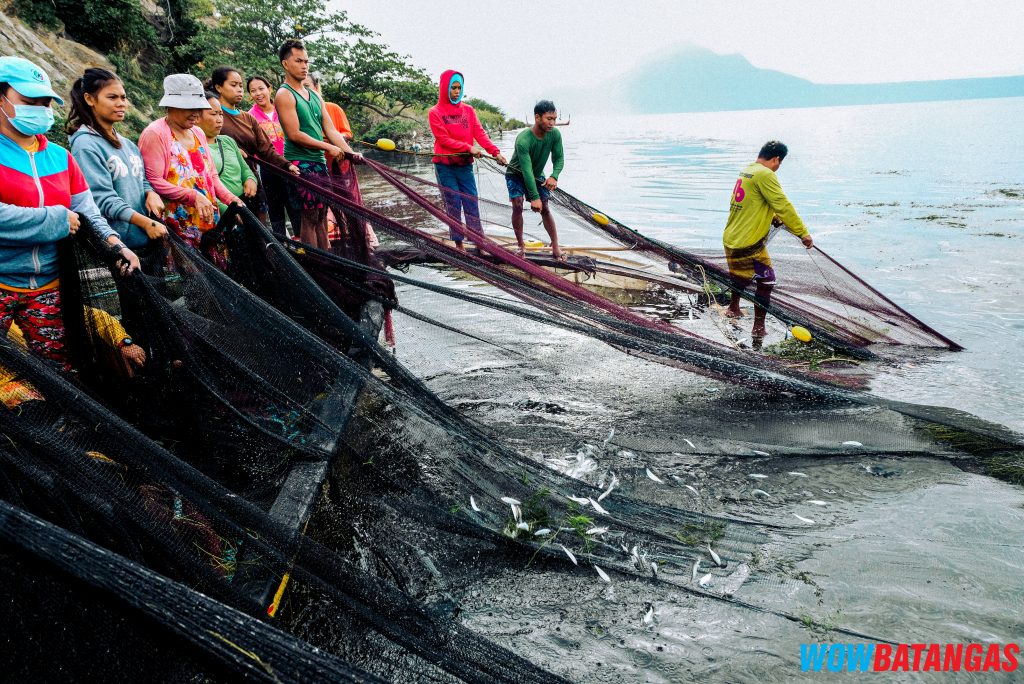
x: 926, y: 202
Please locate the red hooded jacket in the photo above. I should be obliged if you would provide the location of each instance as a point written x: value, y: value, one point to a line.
x: 455, y: 127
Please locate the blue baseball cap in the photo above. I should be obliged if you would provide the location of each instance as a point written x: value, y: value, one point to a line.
x: 27, y: 78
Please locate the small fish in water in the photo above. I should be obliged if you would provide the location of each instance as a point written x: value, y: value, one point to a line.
x: 760, y: 453
x: 690, y: 443
x: 654, y: 570
x: 692, y: 489
x: 715, y: 557
x: 695, y: 570
x: 760, y: 492
x: 581, y: 500
x: 611, y: 486
x: 523, y: 526
x: 818, y: 502
x: 758, y: 476
x: 569, y: 554
x: 609, y: 437
x: 598, y: 507
x: 542, y: 533
x: 710, y: 389
x: 803, y: 519
x: 597, y: 530
x: 652, y: 476
x: 472, y: 504
x: 511, y: 502
x: 649, y: 615
x: 705, y: 580
x: 603, y: 575
x: 517, y: 513
x: 852, y: 443
x: 797, y: 474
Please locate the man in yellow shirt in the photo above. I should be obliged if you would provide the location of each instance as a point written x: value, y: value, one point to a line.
x: 757, y: 204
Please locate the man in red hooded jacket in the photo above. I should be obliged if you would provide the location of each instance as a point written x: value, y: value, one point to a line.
x: 456, y: 132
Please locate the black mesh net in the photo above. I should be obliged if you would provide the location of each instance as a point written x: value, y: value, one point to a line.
x: 269, y: 460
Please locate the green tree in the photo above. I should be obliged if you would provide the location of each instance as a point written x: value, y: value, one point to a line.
x: 354, y: 67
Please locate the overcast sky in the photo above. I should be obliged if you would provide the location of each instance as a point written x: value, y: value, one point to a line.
x: 511, y: 51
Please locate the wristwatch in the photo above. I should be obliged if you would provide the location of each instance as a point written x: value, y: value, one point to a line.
x: 127, y: 342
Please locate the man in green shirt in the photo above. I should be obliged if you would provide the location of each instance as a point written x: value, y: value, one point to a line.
x: 526, y: 171
x: 756, y: 205
x: 308, y: 134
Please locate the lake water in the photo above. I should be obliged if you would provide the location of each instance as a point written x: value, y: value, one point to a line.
x: 926, y: 202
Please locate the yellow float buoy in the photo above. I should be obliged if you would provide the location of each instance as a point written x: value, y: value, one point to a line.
x: 600, y: 219
x: 533, y: 244
x: 800, y: 333
x: 386, y: 144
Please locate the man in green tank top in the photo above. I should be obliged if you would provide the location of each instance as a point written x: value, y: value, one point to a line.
x: 308, y: 134
x: 525, y: 174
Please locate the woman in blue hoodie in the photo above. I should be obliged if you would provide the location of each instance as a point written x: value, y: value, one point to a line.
x: 112, y: 165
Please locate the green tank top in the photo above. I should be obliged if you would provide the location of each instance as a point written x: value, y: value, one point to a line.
x: 311, y: 123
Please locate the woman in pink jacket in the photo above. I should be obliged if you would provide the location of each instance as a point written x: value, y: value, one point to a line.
x: 179, y: 167
x: 456, y: 131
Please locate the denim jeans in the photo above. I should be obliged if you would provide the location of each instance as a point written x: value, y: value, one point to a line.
x: 460, y: 180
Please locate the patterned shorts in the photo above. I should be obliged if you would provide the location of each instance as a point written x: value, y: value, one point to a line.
x: 41, y: 321
x: 751, y: 263
x: 316, y: 173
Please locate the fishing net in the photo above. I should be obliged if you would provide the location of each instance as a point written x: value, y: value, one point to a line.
x: 255, y: 458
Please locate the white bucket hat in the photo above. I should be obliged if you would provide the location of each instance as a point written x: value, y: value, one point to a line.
x: 184, y: 91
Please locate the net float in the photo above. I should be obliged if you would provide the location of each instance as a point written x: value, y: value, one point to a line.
x: 386, y: 144
x: 599, y: 218
x: 801, y: 333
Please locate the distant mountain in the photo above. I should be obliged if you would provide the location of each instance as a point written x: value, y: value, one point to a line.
x: 699, y: 80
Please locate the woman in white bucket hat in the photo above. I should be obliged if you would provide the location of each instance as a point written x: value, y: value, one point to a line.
x: 179, y: 166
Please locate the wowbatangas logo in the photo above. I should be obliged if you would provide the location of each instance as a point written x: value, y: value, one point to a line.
x: 909, y: 657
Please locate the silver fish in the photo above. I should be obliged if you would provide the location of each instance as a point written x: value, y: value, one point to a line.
x: 542, y: 533
x: 760, y: 453
x: 472, y: 503
x: 517, y: 512
x: 611, y: 486
x: 760, y: 492
x: 609, y: 437
x: 649, y: 616
x: 598, y: 507
x: 705, y: 580
x: 852, y: 443
x: 690, y: 443
x: 652, y: 476
x: 581, y: 500
x: 715, y: 557
x: 511, y: 502
x: 803, y: 519
x: 817, y: 502
x: 602, y: 574
x: 523, y: 526
x: 692, y: 489
x: 654, y: 570
x: 796, y: 474
x: 597, y: 530
x: 758, y: 476
x: 569, y: 554
x: 695, y: 570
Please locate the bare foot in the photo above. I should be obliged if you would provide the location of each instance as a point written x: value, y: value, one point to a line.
x: 559, y: 256
x: 734, y: 312
x: 521, y: 251
x: 758, y: 332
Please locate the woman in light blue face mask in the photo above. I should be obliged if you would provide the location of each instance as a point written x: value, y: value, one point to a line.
x: 42, y: 195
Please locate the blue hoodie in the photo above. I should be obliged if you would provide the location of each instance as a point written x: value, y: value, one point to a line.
x: 36, y: 191
x: 117, y: 179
